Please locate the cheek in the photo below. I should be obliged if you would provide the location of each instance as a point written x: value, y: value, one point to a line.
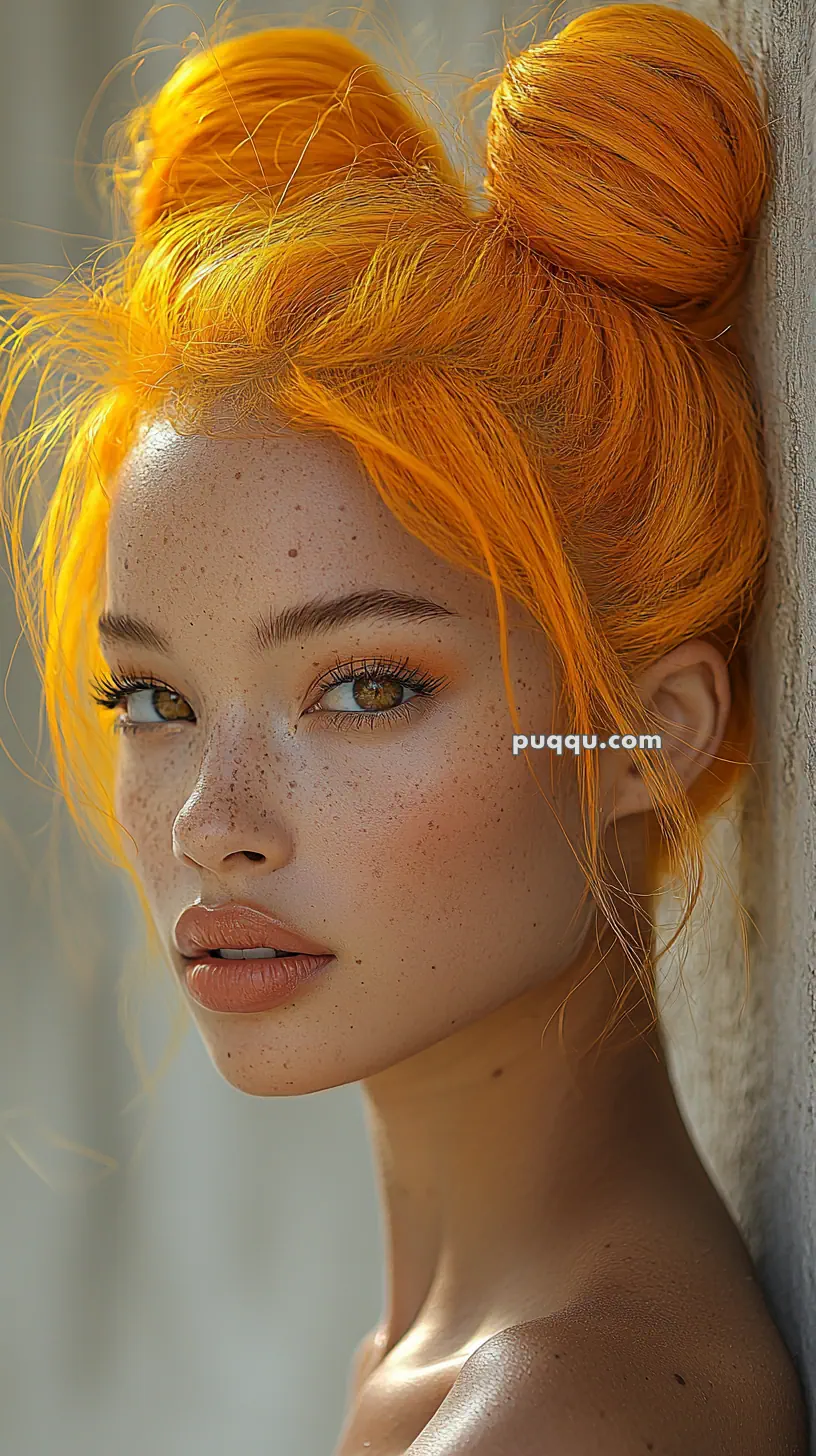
x: 474, y: 855
x: 141, y: 807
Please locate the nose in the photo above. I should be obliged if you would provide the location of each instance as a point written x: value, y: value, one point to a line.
x: 221, y: 824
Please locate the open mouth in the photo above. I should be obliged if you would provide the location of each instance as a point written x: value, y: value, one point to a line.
x: 261, y: 952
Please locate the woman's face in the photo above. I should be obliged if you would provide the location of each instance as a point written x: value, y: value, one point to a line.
x: 412, y: 843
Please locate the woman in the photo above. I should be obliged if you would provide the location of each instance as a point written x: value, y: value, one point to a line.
x: 371, y: 499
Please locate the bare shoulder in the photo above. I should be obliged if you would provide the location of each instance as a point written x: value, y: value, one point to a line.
x: 620, y: 1377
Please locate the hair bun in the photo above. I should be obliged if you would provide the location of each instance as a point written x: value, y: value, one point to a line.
x: 267, y: 113
x: 632, y: 148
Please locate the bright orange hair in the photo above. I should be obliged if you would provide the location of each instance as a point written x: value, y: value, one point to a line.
x: 544, y: 385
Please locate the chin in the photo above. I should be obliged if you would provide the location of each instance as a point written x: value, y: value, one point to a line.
x: 259, y: 1060
x: 267, y: 1054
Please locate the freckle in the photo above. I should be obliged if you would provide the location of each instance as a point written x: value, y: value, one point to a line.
x: 498, y: 1071
x: 293, y: 551
x: 237, y: 475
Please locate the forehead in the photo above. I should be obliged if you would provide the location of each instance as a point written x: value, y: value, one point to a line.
x: 197, y: 518
x: 249, y: 491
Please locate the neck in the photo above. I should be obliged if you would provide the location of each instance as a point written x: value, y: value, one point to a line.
x: 495, y: 1149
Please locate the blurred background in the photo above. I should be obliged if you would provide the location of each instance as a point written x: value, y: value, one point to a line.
x: 192, y: 1277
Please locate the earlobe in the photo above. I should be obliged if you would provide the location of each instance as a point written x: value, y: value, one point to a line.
x: 687, y: 698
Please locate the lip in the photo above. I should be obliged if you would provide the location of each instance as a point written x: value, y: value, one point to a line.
x: 250, y: 985
x: 238, y: 925
x: 258, y: 984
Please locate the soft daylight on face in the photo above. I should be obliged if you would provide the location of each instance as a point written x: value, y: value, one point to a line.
x: 418, y: 850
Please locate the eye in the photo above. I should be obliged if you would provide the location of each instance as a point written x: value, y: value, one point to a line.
x: 156, y: 696
x: 368, y: 692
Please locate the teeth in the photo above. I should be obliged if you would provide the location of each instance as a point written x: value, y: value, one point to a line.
x: 255, y: 953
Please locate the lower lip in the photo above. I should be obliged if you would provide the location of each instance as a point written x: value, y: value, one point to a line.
x: 250, y: 985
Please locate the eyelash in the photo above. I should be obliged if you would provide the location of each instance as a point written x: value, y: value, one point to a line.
x: 109, y: 691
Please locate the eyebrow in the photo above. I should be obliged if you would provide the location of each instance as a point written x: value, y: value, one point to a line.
x: 292, y: 624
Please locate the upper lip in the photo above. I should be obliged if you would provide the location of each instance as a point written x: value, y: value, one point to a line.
x: 238, y: 926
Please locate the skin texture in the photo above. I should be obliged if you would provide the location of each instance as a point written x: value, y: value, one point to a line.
x: 424, y: 856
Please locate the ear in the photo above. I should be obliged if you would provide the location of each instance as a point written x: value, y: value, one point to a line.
x: 687, y: 697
